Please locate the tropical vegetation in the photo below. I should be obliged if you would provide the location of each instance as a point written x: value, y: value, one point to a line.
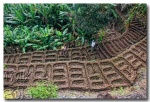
x: 31, y: 27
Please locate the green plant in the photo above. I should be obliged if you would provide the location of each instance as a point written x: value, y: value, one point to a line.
x: 43, y: 90
x: 136, y: 11
x: 54, y: 15
x: 34, y: 27
x: 101, y: 34
x: 81, y: 37
x: 5, y: 66
x: 36, y: 38
x: 119, y: 91
x: 92, y: 17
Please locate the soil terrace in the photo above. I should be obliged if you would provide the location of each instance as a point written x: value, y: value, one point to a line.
x: 114, y: 63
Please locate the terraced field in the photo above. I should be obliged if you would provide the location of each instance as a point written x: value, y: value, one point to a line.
x: 114, y: 63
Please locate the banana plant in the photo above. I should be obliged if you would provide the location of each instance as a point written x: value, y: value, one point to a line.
x: 81, y: 37
x: 23, y: 39
x: 10, y: 35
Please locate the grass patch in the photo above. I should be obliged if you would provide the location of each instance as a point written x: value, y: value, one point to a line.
x: 119, y: 91
x: 43, y: 90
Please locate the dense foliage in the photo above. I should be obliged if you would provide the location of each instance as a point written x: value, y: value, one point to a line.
x: 33, y: 27
x: 49, y: 26
x: 54, y: 15
x: 135, y: 11
x: 36, y: 26
x: 91, y: 17
x: 35, y: 38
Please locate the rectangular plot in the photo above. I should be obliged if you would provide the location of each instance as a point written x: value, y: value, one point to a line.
x: 40, y: 74
x: 40, y: 71
x: 80, y: 83
x: 109, y: 48
x: 84, y: 51
x: 6, y: 58
x: 142, y: 53
x: 38, y: 57
x: 16, y: 59
x: 125, y: 68
x: 60, y: 75
x: 77, y: 75
x: 95, y: 78
x: 23, y: 77
x: 11, y: 59
x: 25, y: 58
x: 9, y: 75
x: 135, y: 61
x: 109, y: 71
x: 50, y: 57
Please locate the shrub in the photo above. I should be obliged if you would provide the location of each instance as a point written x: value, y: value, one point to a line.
x: 43, y: 90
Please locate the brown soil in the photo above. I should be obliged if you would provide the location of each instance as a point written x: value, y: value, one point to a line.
x: 115, y: 66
